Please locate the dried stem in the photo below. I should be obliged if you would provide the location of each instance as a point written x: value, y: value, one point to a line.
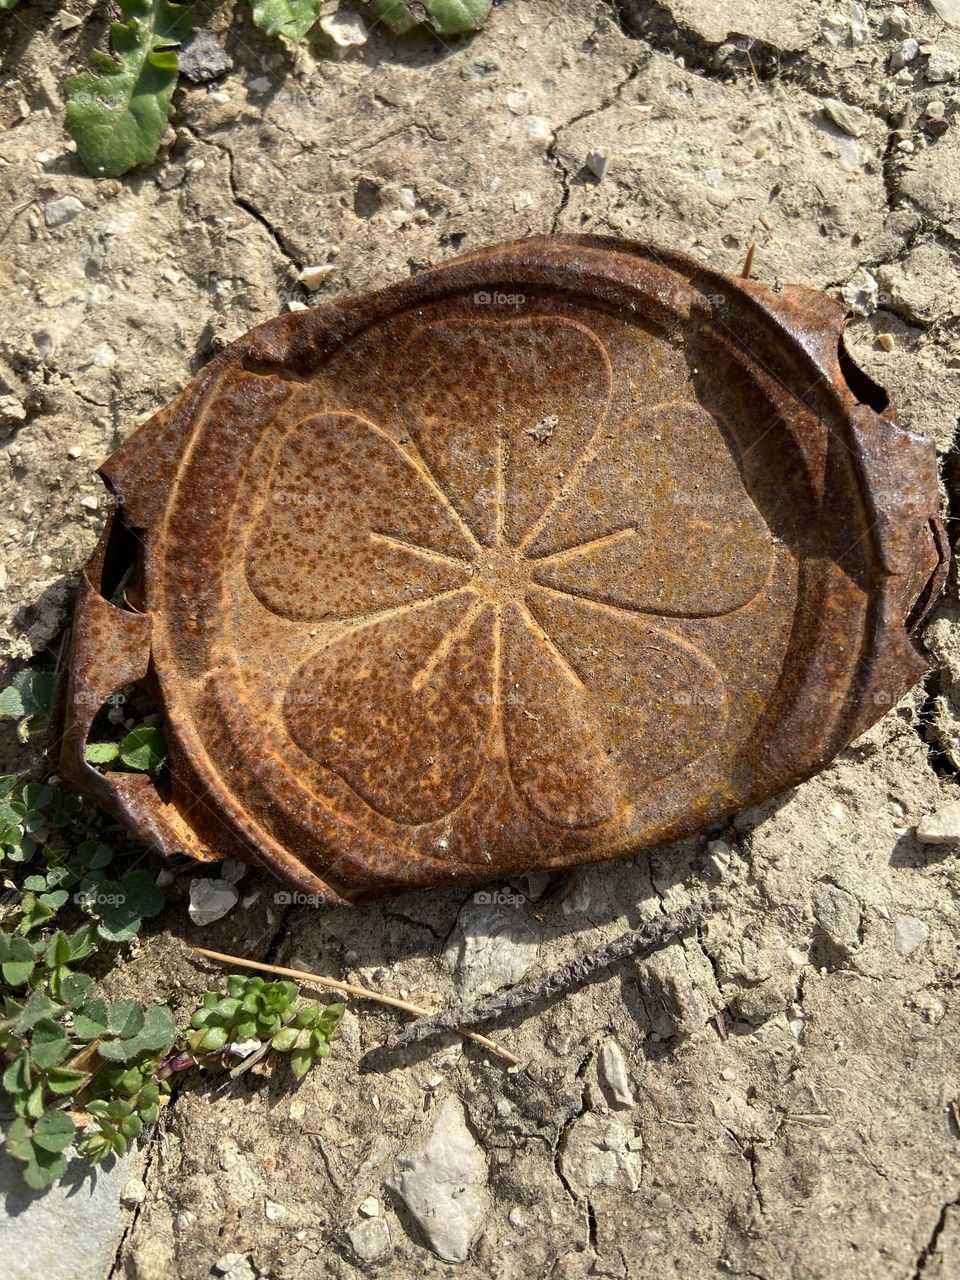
x: 359, y: 993
x: 651, y: 934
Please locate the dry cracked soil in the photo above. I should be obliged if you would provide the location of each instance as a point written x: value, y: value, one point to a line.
x: 775, y: 1097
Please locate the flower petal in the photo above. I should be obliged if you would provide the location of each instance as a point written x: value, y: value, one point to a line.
x: 501, y: 410
x: 402, y: 708
x: 559, y: 756
x: 655, y: 700
x: 644, y: 531
x: 351, y: 525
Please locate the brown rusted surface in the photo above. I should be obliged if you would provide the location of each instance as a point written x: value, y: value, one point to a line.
x: 542, y: 557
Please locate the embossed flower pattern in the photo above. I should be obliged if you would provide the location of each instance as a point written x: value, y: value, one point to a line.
x: 502, y: 574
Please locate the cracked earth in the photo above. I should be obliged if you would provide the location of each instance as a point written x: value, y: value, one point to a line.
x: 775, y: 1097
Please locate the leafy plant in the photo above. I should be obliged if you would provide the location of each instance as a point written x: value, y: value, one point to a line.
x: 254, y: 1009
x: 29, y: 697
x: 290, y: 18
x: 445, y: 17
x: 143, y: 749
x: 117, y: 112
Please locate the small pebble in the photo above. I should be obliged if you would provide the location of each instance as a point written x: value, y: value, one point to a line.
x: 210, y: 900
x: 312, y: 277
x: 75, y: 451
x: 272, y: 1211
x: 346, y: 30
x: 201, y: 59
x: 59, y: 212
x: 370, y: 1207
x: 850, y: 119
x: 941, y: 827
x: 90, y: 502
x: 886, y: 341
x: 942, y: 66
x: 598, y: 161
x: 905, y: 52
x: 909, y: 934
x: 134, y: 1192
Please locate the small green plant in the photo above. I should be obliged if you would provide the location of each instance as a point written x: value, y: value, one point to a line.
x: 119, y: 109
x: 445, y: 17
x: 290, y: 18
x: 28, y: 699
x: 79, y: 1072
x: 143, y: 749
x: 254, y: 1009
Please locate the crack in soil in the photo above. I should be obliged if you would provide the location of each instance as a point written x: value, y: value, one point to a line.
x: 928, y: 1250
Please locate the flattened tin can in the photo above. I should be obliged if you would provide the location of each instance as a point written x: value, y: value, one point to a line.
x: 563, y: 549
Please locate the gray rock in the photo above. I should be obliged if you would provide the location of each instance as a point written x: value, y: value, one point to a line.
x: 211, y: 900
x: 202, y: 59
x: 948, y: 11
x: 837, y: 912
x: 601, y: 1153
x: 850, y: 119
x: 942, y: 66
x: 614, y: 1079
x: 905, y: 52
x: 370, y: 1239
x: 59, y: 212
x: 444, y: 1185
x: 492, y: 946
x: 941, y: 827
x: 909, y: 934
x: 70, y: 1232
x: 678, y: 989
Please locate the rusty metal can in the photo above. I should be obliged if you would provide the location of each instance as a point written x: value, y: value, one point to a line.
x: 566, y: 548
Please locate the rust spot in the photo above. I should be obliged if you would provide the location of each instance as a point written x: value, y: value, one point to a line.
x: 557, y: 551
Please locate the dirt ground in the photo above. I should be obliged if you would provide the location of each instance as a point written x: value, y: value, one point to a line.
x: 818, y: 1137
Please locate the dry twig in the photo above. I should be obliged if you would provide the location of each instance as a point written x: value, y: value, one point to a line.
x: 651, y: 934
x: 359, y: 993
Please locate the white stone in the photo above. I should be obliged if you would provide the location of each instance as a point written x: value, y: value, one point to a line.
x: 59, y: 212
x: 103, y: 356
x: 444, y: 1185
x: 597, y: 162
x: 370, y: 1239
x: 905, y: 52
x: 312, y: 277
x: 613, y: 1074
x: 134, y: 1192
x: 948, y: 11
x: 211, y: 900
x: 491, y: 947
x: 346, y: 30
x: 942, y: 66
x: 600, y: 1153
x: 234, y: 1266
x: 536, y: 129
x: 850, y: 119
x: 909, y: 934
x: 369, y: 1208
x: 941, y: 827
x: 860, y: 293
x: 272, y: 1211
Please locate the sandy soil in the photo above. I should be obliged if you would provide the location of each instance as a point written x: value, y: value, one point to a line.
x: 816, y: 1137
